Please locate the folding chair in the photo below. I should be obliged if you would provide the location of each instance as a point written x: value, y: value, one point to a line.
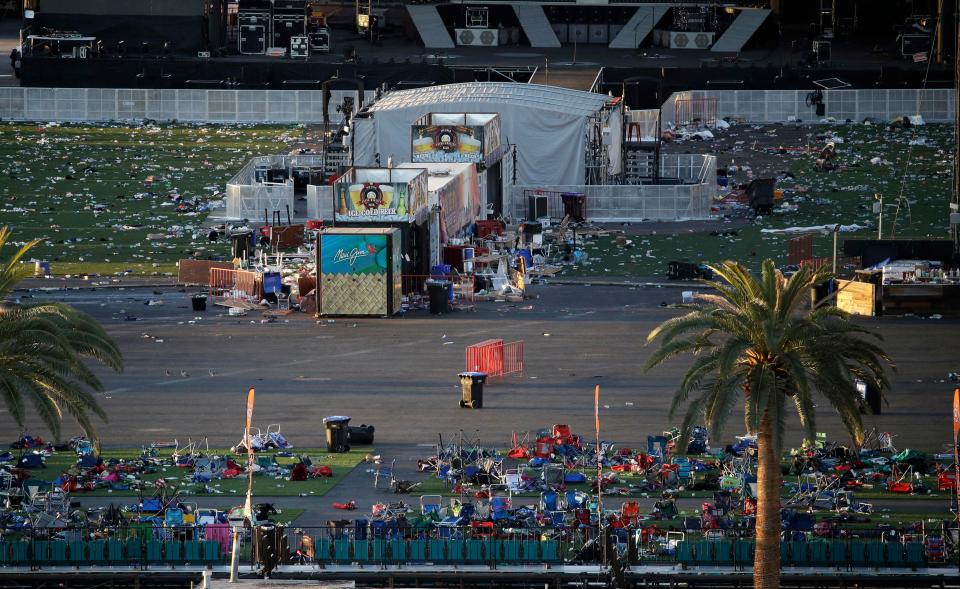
x: 630, y: 512
x: 430, y: 504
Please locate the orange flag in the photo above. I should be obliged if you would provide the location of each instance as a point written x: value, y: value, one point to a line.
x: 596, y: 408
x: 956, y: 423
x: 248, y: 504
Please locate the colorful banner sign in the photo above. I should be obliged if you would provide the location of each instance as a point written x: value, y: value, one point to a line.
x: 354, y: 254
x: 447, y: 144
x: 372, y: 201
x: 459, y: 203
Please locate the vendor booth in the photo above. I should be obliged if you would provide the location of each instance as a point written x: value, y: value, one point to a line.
x: 388, y: 197
x: 360, y: 271
x: 381, y: 195
x: 454, y: 190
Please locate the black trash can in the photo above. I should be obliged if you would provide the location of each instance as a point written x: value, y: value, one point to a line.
x: 871, y: 396
x: 439, y: 293
x: 338, y: 429
x: 472, y: 385
x: 199, y: 302
x: 361, y: 435
x: 574, y: 205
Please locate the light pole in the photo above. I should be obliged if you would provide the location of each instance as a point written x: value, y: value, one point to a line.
x: 836, y: 230
x: 878, y: 208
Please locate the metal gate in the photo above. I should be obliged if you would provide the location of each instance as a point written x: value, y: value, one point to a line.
x: 495, y: 357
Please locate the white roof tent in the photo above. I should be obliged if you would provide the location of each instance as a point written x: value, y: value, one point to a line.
x: 550, y: 126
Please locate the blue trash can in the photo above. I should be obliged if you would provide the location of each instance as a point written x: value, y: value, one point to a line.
x: 527, y: 257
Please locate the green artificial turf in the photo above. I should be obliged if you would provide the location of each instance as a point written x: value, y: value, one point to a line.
x: 921, y: 173
x: 84, y: 189
x: 263, y: 486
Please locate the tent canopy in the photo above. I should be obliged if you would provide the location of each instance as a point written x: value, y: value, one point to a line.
x: 546, y: 123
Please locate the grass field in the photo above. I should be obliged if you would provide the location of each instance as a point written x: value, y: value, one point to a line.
x: 264, y: 486
x: 921, y: 173
x: 95, y: 193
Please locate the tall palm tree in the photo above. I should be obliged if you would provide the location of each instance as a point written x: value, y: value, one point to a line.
x: 754, y: 341
x: 43, y: 348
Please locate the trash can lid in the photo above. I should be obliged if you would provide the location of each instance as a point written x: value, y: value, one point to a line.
x: 472, y: 374
x: 335, y: 419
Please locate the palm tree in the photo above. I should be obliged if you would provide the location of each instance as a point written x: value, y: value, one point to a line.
x: 754, y: 340
x: 42, y: 351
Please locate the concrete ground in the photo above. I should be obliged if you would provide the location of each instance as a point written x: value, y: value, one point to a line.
x: 400, y: 375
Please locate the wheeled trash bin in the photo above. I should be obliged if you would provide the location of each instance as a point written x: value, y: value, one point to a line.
x: 472, y: 385
x: 338, y: 429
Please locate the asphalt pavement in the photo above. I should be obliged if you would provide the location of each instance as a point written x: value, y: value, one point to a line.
x: 187, y: 374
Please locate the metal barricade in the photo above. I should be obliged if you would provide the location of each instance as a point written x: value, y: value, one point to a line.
x: 238, y: 284
x: 703, y: 110
x: 495, y: 357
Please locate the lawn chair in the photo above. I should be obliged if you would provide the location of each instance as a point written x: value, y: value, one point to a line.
x: 519, y: 450
x: 684, y: 470
x: 499, y: 508
x: 630, y: 513
x: 275, y: 439
x: 430, y: 504
x: 513, y: 480
x: 562, y: 434
x: 258, y: 442
x: 576, y: 499
x: 550, y: 501
x: 543, y: 447
x: 553, y: 475
x: 381, y: 471
x: 666, y: 509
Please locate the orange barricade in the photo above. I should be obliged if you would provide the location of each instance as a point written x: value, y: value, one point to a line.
x: 235, y: 283
x: 495, y: 357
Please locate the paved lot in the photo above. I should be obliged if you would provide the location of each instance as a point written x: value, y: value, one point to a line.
x: 400, y: 374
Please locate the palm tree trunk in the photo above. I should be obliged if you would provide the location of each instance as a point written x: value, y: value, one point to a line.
x: 766, y: 565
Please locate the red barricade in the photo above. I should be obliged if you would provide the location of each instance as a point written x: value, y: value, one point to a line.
x: 495, y: 357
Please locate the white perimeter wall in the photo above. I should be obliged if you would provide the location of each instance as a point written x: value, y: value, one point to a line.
x: 775, y: 106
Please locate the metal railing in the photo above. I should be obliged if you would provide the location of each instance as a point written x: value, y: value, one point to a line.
x: 427, y: 539
x: 239, y: 284
x: 495, y: 358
